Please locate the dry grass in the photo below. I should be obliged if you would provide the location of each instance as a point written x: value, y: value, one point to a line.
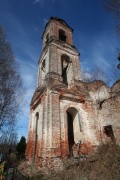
x: 104, y: 164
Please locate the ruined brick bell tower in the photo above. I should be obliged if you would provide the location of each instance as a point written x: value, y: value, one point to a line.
x: 65, y: 111
x: 56, y: 106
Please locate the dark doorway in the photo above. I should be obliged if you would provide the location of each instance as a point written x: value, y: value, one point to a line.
x: 36, y: 134
x: 70, y: 133
x: 108, y: 130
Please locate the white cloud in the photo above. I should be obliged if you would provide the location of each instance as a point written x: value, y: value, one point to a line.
x: 87, y: 75
x: 41, y: 2
x: 100, y: 52
x: 38, y: 1
x: 15, y: 26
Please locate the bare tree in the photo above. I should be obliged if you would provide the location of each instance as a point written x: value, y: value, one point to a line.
x: 10, y: 83
x: 8, y: 139
x: 96, y: 74
x: 114, y: 74
x: 114, y: 7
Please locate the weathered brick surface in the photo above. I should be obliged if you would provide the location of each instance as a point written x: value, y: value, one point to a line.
x: 90, y: 105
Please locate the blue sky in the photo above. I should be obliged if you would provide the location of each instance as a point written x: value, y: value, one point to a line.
x: 94, y: 36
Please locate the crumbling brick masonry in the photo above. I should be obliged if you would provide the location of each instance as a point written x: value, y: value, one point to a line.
x: 68, y: 115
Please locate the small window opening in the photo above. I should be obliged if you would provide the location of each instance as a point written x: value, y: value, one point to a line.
x: 47, y: 38
x: 64, y: 72
x: 43, y: 65
x: 65, y: 63
x: 37, y: 118
x: 62, y: 35
x: 108, y: 130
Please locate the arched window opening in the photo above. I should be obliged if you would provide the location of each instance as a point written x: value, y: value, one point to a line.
x: 47, y: 38
x: 37, y: 118
x: 43, y: 70
x: 65, y: 63
x: 36, y: 133
x: 43, y: 66
x: 62, y: 35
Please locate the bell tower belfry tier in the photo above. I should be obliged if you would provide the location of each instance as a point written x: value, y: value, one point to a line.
x: 59, y: 58
x: 59, y: 96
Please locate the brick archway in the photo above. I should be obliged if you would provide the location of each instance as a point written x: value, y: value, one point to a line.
x: 73, y: 113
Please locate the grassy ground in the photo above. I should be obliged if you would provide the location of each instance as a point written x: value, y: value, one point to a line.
x: 103, y: 165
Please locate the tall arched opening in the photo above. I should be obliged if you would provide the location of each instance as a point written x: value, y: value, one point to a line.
x: 65, y: 63
x: 73, y: 128
x: 36, y: 133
